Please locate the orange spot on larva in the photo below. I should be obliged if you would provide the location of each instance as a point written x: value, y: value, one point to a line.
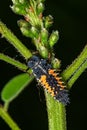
x: 51, y: 71
x: 46, y: 85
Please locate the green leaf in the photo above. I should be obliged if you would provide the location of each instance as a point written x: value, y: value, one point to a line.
x: 12, y: 89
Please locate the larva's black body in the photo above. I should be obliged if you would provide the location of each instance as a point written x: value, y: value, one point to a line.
x: 49, y: 79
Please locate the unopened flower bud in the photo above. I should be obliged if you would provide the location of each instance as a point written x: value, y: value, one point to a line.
x: 23, y: 23
x: 25, y: 28
x: 15, y: 1
x: 53, y: 38
x: 18, y: 9
x: 26, y: 32
x: 35, y: 32
x: 44, y: 36
x: 22, y: 1
x: 43, y: 51
x: 40, y: 0
x: 40, y: 8
x: 56, y: 63
x: 48, y: 21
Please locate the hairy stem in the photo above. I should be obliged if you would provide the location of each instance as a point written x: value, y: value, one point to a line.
x: 6, y: 117
x: 14, y: 41
x: 56, y: 111
x: 72, y: 73
x: 56, y: 114
x: 11, y: 61
x: 77, y: 73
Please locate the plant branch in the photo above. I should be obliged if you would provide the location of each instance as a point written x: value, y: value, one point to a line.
x: 14, y: 62
x: 14, y: 41
x: 6, y: 117
x: 56, y: 114
x: 56, y: 111
x: 78, y: 72
x: 76, y: 68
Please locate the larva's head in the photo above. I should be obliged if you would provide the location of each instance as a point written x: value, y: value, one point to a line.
x: 33, y: 61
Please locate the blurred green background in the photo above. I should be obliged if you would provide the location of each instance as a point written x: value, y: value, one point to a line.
x: 29, y: 110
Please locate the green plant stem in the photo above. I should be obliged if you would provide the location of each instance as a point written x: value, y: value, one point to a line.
x: 14, y: 41
x: 77, y: 62
x: 14, y: 62
x: 6, y: 117
x: 56, y: 111
x: 56, y: 114
x: 78, y: 72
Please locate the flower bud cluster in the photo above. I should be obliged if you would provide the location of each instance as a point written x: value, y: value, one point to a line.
x: 36, y: 26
